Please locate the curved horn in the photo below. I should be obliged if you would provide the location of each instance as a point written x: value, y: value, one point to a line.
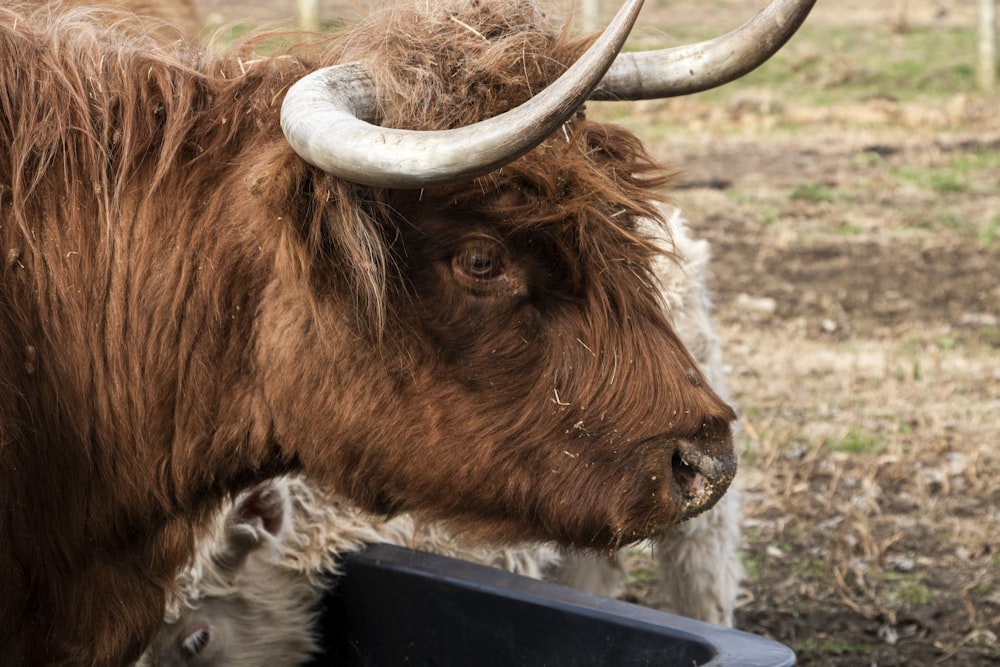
x: 647, y: 75
x: 326, y: 117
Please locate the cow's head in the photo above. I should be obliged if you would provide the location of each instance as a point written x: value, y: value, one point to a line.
x: 524, y: 377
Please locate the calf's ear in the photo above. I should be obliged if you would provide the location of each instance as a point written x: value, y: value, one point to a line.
x: 263, y: 507
x: 258, y: 517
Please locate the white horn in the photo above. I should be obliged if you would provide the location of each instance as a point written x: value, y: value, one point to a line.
x: 682, y: 70
x: 328, y: 117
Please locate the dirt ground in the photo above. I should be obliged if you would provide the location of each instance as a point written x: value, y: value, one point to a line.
x: 866, y: 364
x: 862, y: 333
x: 860, y: 320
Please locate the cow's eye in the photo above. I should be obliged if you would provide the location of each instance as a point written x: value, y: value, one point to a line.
x: 479, y: 260
x: 195, y: 642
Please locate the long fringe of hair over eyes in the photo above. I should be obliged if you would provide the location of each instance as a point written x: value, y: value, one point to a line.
x: 449, y: 64
x: 153, y: 110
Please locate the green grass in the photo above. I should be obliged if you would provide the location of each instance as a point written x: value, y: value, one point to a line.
x: 866, y: 62
x: 949, y: 189
x: 941, y: 180
x: 768, y: 216
x: 950, y: 342
x: 845, y: 228
x: 949, y: 219
x: 819, y: 569
x: 990, y: 336
x: 751, y: 566
x: 815, y: 192
x: 230, y: 32
x: 910, y: 591
x: 822, y: 64
x: 867, y: 158
x: 989, y: 232
x: 961, y: 172
x: 858, y: 442
x: 825, y: 64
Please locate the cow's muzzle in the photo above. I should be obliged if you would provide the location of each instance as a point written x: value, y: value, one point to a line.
x: 703, y: 468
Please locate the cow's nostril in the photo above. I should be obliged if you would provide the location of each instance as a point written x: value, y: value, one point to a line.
x: 691, y: 482
x: 701, y: 478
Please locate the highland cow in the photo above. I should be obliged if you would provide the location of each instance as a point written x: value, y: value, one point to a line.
x: 213, y: 276
x: 254, y: 601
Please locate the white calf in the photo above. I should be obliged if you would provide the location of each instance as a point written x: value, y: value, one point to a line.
x: 250, y: 596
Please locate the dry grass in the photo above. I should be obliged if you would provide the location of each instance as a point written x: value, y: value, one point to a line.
x: 872, y: 495
x: 856, y: 274
x: 859, y: 313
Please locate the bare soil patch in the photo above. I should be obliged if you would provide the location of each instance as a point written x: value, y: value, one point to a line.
x: 865, y: 359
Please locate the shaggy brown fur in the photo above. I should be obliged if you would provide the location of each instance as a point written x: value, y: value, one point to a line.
x: 187, y: 308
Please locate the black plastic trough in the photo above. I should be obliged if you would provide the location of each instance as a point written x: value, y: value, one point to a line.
x: 395, y: 606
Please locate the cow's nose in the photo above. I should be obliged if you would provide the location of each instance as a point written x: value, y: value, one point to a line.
x: 703, y: 469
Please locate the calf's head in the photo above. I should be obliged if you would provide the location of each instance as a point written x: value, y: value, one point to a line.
x: 241, y: 604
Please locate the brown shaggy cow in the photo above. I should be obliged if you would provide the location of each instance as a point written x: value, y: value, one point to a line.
x: 187, y: 306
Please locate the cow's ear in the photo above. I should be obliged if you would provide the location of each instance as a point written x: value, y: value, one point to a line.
x: 193, y: 641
